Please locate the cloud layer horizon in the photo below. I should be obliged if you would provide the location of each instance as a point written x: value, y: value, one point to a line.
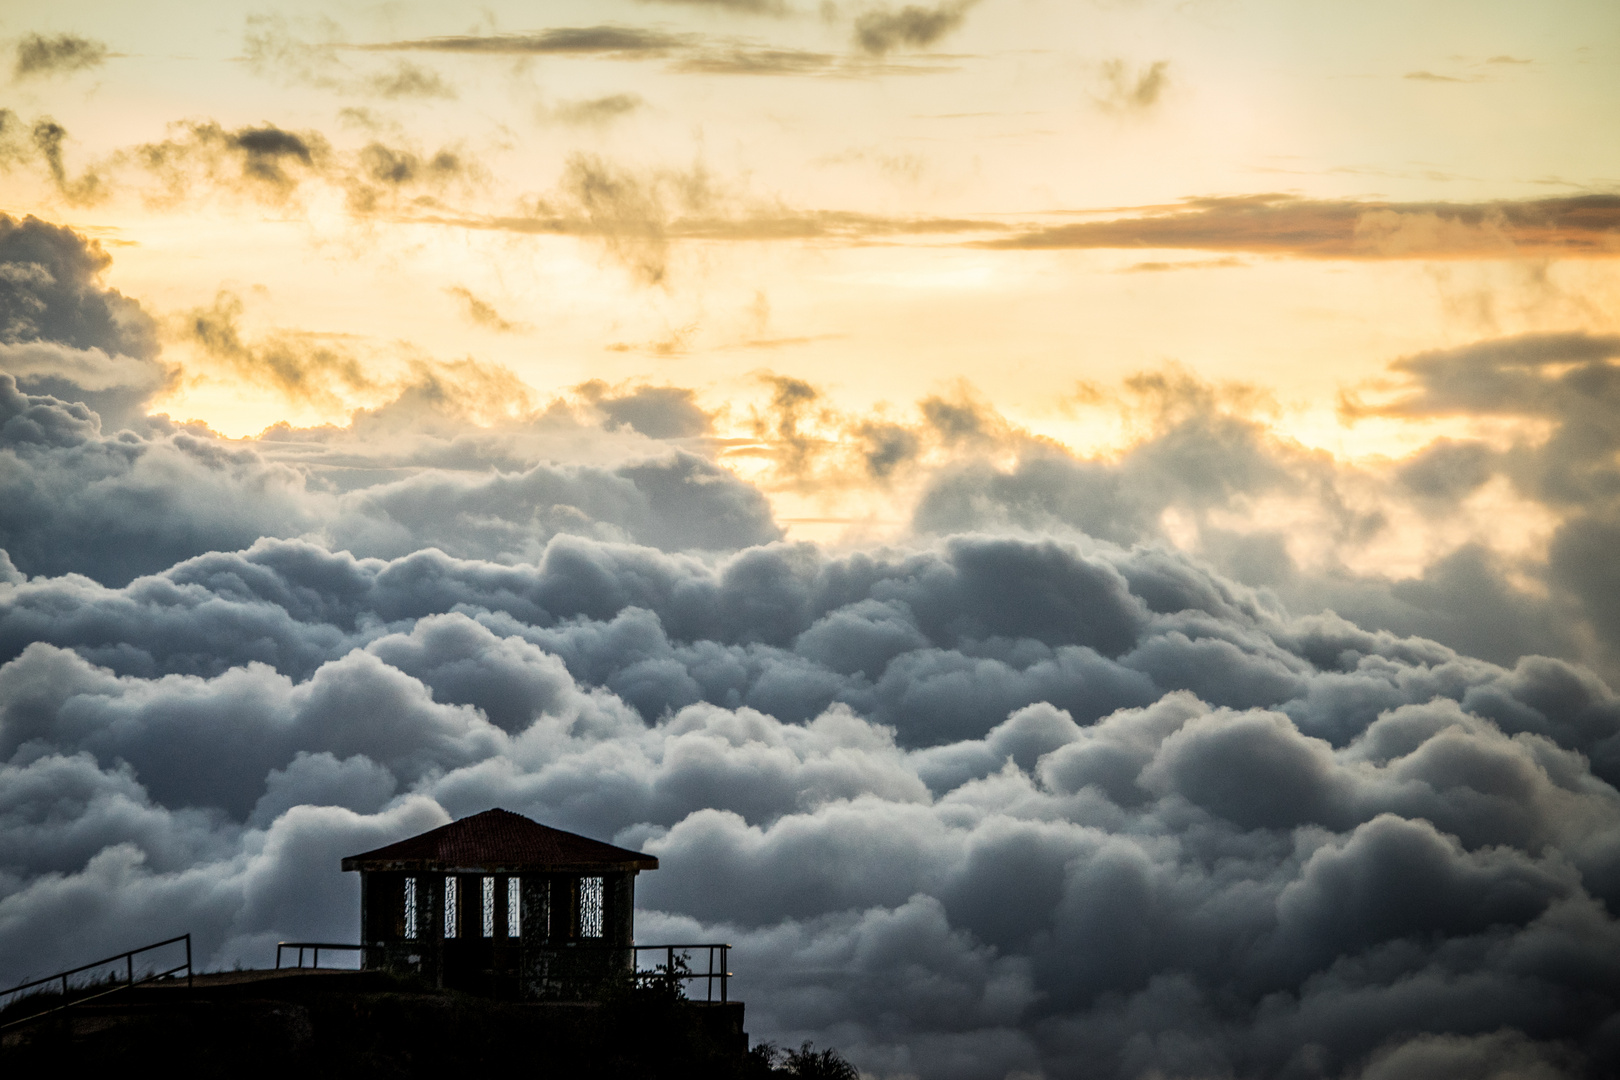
x: 1026, y: 790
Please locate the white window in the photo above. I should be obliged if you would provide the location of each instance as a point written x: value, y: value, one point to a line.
x: 590, y: 907
x: 489, y: 907
x: 410, y: 908
x: 452, y: 909
x: 514, y: 908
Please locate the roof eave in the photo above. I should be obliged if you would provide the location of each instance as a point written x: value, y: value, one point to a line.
x: 434, y: 866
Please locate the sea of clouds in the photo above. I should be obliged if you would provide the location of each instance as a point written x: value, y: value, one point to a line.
x: 1000, y: 798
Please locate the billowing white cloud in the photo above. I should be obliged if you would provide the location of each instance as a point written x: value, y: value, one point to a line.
x: 1028, y: 791
x: 1248, y: 832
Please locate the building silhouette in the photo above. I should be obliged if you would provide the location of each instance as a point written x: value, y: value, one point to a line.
x: 501, y: 905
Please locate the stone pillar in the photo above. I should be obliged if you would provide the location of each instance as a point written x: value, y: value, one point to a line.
x: 500, y: 907
x: 619, y: 916
x: 430, y: 928
x: 564, y: 908
x: 619, y: 903
x: 535, y: 915
x: 366, y: 959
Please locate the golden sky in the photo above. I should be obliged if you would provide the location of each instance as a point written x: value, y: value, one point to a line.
x: 1019, y: 203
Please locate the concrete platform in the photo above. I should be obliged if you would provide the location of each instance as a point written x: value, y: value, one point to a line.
x: 358, y: 1024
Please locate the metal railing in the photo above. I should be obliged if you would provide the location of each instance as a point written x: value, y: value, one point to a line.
x: 316, y: 947
x: 669, y: 970
x: 563, y: 970
x: 129, y: 983
x: 675, y: 967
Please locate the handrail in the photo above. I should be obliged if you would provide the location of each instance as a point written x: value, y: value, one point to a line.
x: 669, y: 972
x: 129, y: 983
x: 317, y: 946
x: 711, y: 973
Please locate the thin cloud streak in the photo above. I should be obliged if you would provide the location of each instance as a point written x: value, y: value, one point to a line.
x: 620, y: 41
x: 599, y: 198
x: 1583, y: 226
x: 685, y: 53
x: 1580, y: 226
x: 807, y: 225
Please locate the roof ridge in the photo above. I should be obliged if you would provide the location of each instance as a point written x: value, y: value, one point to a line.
x: 500, y: 839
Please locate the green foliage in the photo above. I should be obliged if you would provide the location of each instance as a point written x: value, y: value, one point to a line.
x: 668, y: 980
x: 805, y: 1063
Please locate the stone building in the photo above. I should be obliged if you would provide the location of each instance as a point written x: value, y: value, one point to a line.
x: 498, y: 904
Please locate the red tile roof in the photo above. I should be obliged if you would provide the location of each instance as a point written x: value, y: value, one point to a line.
x: 499, y: 841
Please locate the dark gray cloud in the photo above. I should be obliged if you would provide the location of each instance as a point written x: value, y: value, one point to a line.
x: 387, y: 165
x: 276, y: 166
x: 746, y: 7
x: 50, y: 290
x: 267, y: 151
x: 1211, y: 466
x: 885, y: 29
x: 62, y: 54
x: 659, y: 412
x: 76, y: 498
x: 266, y: 162
x: 114, y: 506
x: 64, y: 333
x: 676, y: 502
x: 1388, y: 847
x: 1570, y: 381
x: 1384, y: 833
x: 1037, y: 794
x: 49, y: 140
x: 382, y: 176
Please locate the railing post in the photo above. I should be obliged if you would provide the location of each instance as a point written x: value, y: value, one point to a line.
x: 188, y: 961
x: 130, y: 964
x: 316, y: 963
x: 725, y: 969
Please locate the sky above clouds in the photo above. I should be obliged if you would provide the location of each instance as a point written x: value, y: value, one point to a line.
x: 1081, y: 534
